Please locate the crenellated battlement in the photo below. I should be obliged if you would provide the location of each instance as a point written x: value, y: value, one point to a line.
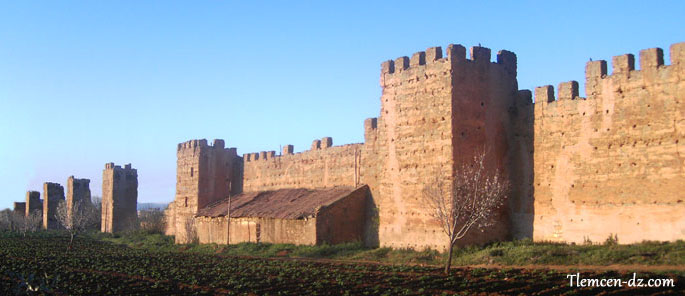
x: 623, y: 71
x: 455, y: 53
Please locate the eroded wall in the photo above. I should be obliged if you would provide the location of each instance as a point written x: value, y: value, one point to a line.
x: 265, y: 230
x: 435, y: 113
x: 78, y: 191
x: 53, y: 193
x: 33, y: 202
x: 322, y: 166
x: 612, y: 163
x: 119, y: 198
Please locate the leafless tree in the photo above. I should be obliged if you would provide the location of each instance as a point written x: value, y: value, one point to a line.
x: 83, y: 216
x: 31, y: 223
x: 466, y: 201
x: 152, y: 220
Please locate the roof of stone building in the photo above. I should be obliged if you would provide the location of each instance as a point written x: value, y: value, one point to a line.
x: 281, y: 204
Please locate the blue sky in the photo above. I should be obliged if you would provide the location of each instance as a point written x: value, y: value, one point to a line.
x: 83, y: 83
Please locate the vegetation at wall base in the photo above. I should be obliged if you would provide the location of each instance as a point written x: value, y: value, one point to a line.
x: 98, y: 265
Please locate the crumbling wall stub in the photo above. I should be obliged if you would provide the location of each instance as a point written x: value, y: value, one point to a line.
x: 119, y: 198
x: 53, y: 193
x: 612, y: 164
x: 78, y: 191
x: 33, y: 202
x: 19, y: 207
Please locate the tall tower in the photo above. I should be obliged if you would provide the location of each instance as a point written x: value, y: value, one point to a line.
x: 33, y: 202
x: 78, y: 191
x: 53, y: 193
x: 119, y: 197
x: 436, y: 112
x: 205, y: 173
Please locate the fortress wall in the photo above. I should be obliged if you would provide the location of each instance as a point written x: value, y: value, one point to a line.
x: 435, y: 112
x: 322, y: 166
x: 613, y: 163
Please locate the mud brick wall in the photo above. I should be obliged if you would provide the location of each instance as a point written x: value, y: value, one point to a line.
x: 612, y: 163
x: 323, y: 166
x: 435, y: 113
x: 205, y: 173
x: 119, y: 198
x: 343, y: 221
x: 53, y: 193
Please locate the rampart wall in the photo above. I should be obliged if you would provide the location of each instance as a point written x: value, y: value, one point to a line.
x: 322, y: 166
x: 612, y: 163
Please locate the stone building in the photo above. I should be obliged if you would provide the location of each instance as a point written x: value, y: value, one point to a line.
x: 295, y: 216
x: 53, y: 194
x: 33, y: 202
x: 119, y: 198
x: 580, y: 168
x: 78, y: 191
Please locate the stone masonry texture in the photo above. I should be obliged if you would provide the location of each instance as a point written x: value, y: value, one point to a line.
x: 580, y: 167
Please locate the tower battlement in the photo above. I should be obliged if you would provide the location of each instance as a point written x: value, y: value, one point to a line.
x: 455, y: 54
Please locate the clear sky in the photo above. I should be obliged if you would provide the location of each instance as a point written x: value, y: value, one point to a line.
x: 90, y: 82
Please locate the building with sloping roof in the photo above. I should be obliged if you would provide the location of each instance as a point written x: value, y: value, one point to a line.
x: 297, y: 216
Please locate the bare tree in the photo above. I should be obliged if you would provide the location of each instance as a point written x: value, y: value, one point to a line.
x: 83, y: 216
x: 152, y: 220
x: 466, y: 201
x: 31, y: 223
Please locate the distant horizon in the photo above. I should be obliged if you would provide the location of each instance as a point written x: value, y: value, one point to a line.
x: 83, y: 84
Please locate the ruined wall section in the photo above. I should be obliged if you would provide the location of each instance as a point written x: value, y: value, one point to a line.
x: 119, y: 198
x: 435, y: 112
x: 613, y: 163
x: 53, y: 193
x: 322, y: 166
x: 33, y: 202
x: 205, y: 173
x: 78, y: 191
x: 19, y: 207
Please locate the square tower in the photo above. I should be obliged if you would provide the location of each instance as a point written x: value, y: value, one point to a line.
x: 78, y: 191
x: 436, y: 113
x: 205, y: 174
x: 53, y: 193
x: 119, y: 198
x: 33, y: 202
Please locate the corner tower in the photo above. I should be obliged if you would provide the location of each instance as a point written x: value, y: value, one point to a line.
x: 204, y: 174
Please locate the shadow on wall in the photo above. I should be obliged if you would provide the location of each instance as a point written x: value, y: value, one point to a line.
x: 372, y: 222
x: 521, y: 201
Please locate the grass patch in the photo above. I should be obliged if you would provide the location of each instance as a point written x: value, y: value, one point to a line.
x: 519, y: 252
